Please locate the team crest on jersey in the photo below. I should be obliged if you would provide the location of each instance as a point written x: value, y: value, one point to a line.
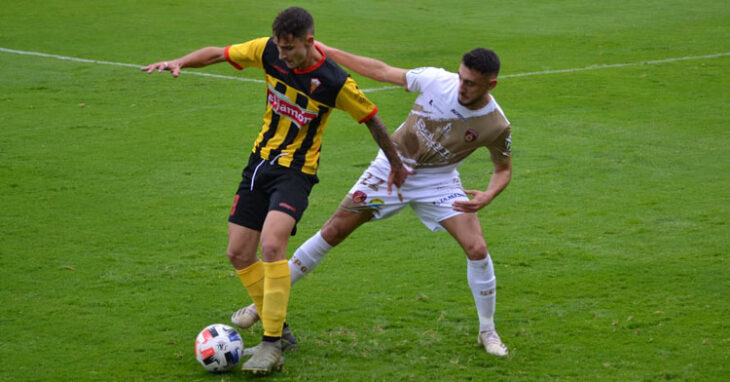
x: 314, y: 84
x: 281, y: 105
x: 470, y: 136
x: 359, y: 197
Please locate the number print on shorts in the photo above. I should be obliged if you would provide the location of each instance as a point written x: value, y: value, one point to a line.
x: 371, y: 182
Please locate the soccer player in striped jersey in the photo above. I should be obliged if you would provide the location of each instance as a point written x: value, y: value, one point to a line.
x: 303, y: 87
x: 453, y: 116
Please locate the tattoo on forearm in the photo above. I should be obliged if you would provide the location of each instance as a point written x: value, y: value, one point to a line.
x: 381, y: 136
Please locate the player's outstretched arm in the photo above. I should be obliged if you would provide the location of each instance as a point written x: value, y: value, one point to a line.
x: 366, y: 66
x: 198, y: 59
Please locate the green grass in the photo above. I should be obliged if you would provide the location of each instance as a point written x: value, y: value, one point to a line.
x: 610, y: 244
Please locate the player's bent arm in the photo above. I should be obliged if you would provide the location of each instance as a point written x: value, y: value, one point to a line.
x: 499, y: 180
x: 198, y: 59
x: 398, y: 173
x: 380, y: 135
x: 497, y: 183
x: 366, y: 66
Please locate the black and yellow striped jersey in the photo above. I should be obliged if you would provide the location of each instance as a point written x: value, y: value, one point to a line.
x: 299, y: 103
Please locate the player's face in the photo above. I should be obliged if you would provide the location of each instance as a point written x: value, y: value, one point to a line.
x: 294, y: 51
x: 474, y: 87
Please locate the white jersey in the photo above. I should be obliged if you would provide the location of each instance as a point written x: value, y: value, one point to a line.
x: 437, y: 135
x: 440, y: 132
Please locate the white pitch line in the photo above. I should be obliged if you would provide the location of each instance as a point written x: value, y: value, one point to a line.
x: 557, y: 71
x: 76, y: 59
x: 382, y: 88
x: 592, y: 67
x: 606, y: 66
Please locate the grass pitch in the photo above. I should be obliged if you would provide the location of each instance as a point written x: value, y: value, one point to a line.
x: 610, y: 245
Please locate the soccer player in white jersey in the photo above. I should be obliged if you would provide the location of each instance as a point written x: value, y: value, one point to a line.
x: 453, y: 116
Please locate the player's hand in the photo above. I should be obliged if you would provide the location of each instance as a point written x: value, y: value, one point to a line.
x: 397, y: 177
x: 171, y: 66
x: 477, y: 202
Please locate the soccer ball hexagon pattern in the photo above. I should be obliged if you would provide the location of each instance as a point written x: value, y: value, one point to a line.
x: 218, y: 348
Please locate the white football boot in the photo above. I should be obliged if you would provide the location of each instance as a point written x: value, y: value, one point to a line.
x: 492, y: 343
x: 245, y: 317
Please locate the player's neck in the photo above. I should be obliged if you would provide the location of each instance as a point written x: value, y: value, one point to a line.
x: 484, y: 101
x: 313, y: 57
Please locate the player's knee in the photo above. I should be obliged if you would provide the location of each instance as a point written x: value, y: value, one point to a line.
x: 239, y: 258
x: 342, y: 224
x: 333, y: 234
x: 476, y: 250
x: 272, y: 250
x: 231, y: 254
x: 234, y: 252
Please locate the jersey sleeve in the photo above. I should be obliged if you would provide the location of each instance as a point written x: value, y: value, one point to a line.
x: 420, y: 79
x: 501, y: 149
x: 246, y: 54
x: 352, y: 100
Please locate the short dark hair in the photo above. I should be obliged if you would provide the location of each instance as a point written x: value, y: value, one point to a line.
x: 482, y: 60
x: 293, y: 21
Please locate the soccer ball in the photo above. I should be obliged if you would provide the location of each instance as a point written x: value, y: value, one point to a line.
x: 218, y: 348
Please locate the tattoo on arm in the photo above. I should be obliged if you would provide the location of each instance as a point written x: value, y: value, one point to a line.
x: 381, y: 136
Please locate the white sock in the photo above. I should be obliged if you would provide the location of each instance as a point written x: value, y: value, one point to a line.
x: 308, y: 256
x: 483, y: 284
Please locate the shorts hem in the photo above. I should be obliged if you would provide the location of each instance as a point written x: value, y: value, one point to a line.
x: 242, y: 223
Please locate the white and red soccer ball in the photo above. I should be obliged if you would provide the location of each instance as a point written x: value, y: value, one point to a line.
x: 218, y: 348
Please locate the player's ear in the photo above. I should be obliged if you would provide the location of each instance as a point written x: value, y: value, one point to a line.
x: 492, y: 83
x: 309, y: 39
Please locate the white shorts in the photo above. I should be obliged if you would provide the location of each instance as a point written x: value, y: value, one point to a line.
x: 430, y: 192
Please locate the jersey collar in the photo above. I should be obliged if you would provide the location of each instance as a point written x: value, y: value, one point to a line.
x: 313, y: 67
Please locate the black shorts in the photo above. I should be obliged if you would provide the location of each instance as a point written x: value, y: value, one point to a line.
x: 267, y: 186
